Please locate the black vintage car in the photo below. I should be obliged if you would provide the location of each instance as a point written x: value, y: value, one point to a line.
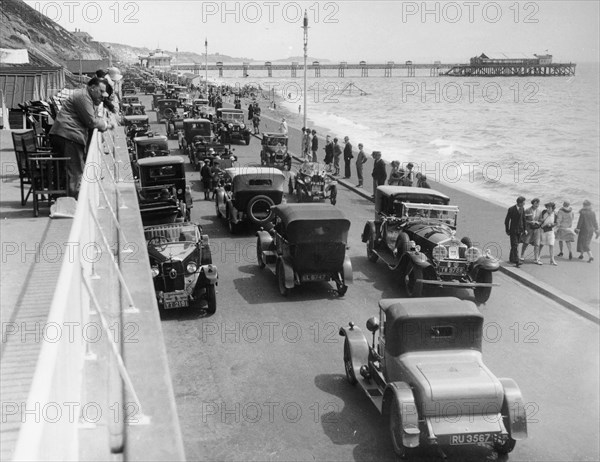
x: 167, y: 109
x: 201, y: 108
x: 149, y: 145
x: 415, y: 231
x: 202, y: 150
x: 156, y: 97
x: 174, y: 126
x: 135, y: 126
x: 162, y: 191
x: 248, y: 193
x: 195, y: 130
x: 307, y: 243
x: 312, y: 183
x: 274, y: 151
x: 133, y: 109
x: 130, y: 99
x: 181, y: 265
x: 230, y: 126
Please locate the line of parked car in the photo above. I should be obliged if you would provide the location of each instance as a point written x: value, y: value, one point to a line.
x: 423, y: 369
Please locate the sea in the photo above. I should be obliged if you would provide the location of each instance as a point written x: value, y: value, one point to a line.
x: 496, y: 137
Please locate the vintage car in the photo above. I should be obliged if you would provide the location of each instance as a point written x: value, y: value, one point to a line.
x: 135, y: 126
x: 162, y: 191
x: 128, y: 90
x: 274, y: 151
x: 156, y: 97
x: 248, y: 193
x: 201, y: 150
x: 129, y: 99
x: 149, y: 88
x: 166, y: 109
x: 195, y: 130
x: 312, y: 183
x: 150, y: 145
x: 306, y: 244
x: 201, y: 108
x: 415, y: 231
x: 426, y: 376
x: 229, y: 125
x: 134, y: 109
x: 181, y: 265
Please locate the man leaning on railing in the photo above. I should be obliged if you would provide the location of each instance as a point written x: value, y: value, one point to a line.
x: 70, y: 132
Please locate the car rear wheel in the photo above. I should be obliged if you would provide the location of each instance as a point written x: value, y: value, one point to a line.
x: 482, y: 294
x: 211, y: 298
x: 283, y: 290
x: 259, y: 254
x: 348, y: 364
x: 259, y: 210
x: 412, y: 273
x: 371, y: 255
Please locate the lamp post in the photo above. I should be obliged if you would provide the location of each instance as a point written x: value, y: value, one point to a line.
x: 305, y: 27
x: 206, y: 66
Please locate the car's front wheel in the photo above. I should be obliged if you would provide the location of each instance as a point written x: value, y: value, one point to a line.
x: 371, y: 255
x: 395, y: 425
x: 411, y: 278
x: 482, y: 294
x: 350, y: 375
x: 211, y: 299
x: 283, y: 290
x: 259, y: 254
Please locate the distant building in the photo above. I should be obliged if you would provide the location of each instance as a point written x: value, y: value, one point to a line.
x: 87, y: 66
x: 510, y: 58
x: 83, y: 36
x: 156, y: 60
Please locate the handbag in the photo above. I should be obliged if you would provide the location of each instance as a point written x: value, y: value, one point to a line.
x: 547, y: 228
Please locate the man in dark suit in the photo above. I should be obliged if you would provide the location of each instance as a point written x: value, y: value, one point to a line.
x: 379, y: 173
x: 348, y: 156
x: 514, y: 223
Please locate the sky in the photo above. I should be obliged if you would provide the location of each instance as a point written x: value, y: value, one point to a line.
x: 374, y: 31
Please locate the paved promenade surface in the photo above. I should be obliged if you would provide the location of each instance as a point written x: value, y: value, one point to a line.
x: 574, y: 283
x: 32, y: 250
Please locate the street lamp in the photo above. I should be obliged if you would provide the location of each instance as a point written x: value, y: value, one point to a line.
x: 305, y: 27
x: 206, y: 66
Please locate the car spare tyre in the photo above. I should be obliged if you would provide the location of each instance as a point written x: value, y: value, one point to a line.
x: 259, y: 210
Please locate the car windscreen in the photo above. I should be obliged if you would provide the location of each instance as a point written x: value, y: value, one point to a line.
x: 276, y: 141
x: 165, y: 171
x: 230, y: 116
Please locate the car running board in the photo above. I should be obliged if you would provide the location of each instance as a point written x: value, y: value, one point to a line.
x: 467, y: 285
x: 388, y: 258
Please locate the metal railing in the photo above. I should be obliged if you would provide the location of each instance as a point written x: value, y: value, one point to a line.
x: 90, y: 393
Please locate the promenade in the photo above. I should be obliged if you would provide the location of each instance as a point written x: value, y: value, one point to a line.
x: 574, y: 283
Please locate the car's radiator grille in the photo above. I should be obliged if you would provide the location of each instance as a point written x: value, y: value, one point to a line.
x: 169, y: 269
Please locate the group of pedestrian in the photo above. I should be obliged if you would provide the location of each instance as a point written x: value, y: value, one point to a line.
x: 538, y: 228
x: 402, y: 177
x: 254, y: 116
x: 310, y: 144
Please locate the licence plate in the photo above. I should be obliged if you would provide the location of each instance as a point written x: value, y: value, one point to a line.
x: 474, y: 438
x: 315, y: 277
x: 174, y: 300
x: 450, y: 270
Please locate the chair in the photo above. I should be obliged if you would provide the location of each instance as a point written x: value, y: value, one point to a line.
x: 43, y: 171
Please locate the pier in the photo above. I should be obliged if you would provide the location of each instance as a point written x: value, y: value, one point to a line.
x: 389, y: 69
x: 511, y: 70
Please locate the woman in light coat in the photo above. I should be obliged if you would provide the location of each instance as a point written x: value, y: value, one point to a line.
x: 564, y: 230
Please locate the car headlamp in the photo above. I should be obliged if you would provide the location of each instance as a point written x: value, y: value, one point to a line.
x: 472, y: 254
x: 191, y: 267
x: 155, y: 271
x: 439, y: 252
x: 179, y: 191
x: 242, y: 126
x: 230, y: 125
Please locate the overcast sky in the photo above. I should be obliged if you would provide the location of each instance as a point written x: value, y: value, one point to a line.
x: 375, y: 31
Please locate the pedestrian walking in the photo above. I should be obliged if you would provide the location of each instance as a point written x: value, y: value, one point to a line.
x: 587, y: 225
x: 514, y: 224
x: 283, y: 128
x: 548, y: 223
x: 328, y: 151
x: 206, y: 175
x: 314, y: 145
x: 361, y: 159
x: 256, y: 122
x: 534, y: 232
x: 409, y: 176
x: 250, y: 112
x: 564, y: 229
x: 337, y: 153
x: 69, y: 134
x: 379, y: 173
x: 348, y: 156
